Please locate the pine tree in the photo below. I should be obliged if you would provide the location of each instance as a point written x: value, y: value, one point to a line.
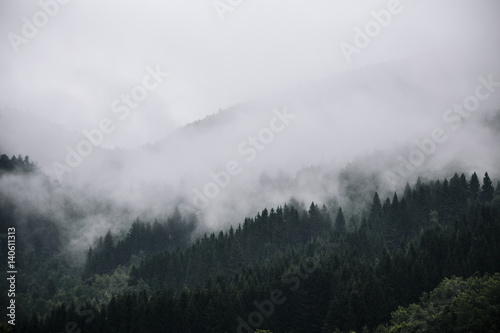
x: 89, y: 267
x: 464, y: 183
x: 326, y: 219
x: 376, y: 208
x: 407, y: 193
x: 314, y: 220
x: 487, y: 189
x: 474, y: 187
x: 340, y: 222
x: 105, y: 255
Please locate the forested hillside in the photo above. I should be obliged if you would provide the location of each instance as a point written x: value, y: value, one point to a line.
x: 230, y: 166
x: 288, y: 269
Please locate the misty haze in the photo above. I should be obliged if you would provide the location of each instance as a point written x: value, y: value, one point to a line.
x: 235, y: 166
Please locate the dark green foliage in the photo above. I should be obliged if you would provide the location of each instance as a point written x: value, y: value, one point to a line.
x: 474, y: 187
x: 340, y: 222
x: 329, y: 277
x: 16, y: 164
x: 487, y: 189
x: 456, y: 305
x: 259, y: 239
x: 376, y: 208
x: 141, y: 238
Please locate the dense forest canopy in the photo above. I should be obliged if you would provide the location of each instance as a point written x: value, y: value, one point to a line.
x: 288, y: 269
x: 253, y: 167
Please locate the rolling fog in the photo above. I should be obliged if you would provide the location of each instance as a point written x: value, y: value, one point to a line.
x: 255, y: 110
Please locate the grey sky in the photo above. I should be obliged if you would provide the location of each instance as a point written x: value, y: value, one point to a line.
x: 90, y: 52
x: 393, y: 93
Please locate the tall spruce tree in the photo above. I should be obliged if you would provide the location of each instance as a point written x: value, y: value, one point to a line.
x: 474, y: 187
x: 487, y: 189
x: 376, y: 208
x: 340, y: 222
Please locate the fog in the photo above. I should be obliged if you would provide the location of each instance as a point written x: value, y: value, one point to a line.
x: 265, y: 101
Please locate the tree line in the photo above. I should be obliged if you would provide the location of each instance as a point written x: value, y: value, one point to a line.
x: 333, y: 274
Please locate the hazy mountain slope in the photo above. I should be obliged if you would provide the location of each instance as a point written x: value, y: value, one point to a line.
x: 331, y: 124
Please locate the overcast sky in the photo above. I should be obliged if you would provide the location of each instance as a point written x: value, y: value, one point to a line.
x: 91, y: 52
x: 73, y: 68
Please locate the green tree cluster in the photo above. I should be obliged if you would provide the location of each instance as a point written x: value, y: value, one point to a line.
x: 331, y: 279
